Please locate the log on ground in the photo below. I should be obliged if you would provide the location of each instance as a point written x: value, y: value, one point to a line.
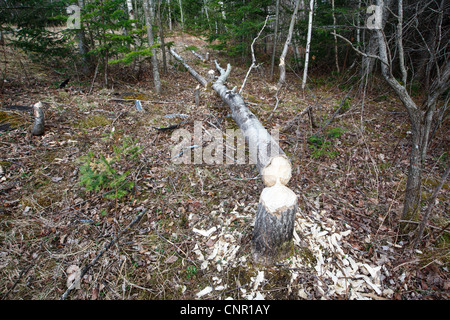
x: 274, y: 221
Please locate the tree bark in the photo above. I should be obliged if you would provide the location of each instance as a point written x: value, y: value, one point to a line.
x: 148, y: 23
x: 182, y: 16
x: 368, y: 61
x: 282, y: 64
x: 274, y: 48
x: 194, y: 73
x: 274, y: 224
x: 161, y: 37
x: 420, y: 120
x: 39, y: 120
x: 335, y: 38
x: 308, y: 43
x: 274, y: 221
x: 169, y: 14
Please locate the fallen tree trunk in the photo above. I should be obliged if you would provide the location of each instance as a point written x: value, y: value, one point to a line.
x: 194, y: 73
x: 274, y: 221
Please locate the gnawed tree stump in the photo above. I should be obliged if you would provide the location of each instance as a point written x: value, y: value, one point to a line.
x: 38, y: 125
x: 274, y: 224
x: 275, y: 217
x: 274, y: 221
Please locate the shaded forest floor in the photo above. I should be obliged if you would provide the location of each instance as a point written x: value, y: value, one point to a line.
x: 194, y: 242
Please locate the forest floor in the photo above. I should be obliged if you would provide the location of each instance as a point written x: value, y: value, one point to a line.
x: 194, y: 240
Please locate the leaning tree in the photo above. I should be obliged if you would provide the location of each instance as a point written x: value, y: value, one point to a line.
x: 415, y: 49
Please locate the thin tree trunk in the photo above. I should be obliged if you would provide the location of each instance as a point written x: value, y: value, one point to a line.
x: 170, y: 14
x: 368, y: 62
x: 274, y: 48
x: 83, y: 48
x: 335, y: 37
x: 131, y: 13
x: 431, y: 203
x: 275, y: 217
x: 282, y: 64
x: 148, y: 24
x: 182, y: 16
x: 308, y: 43
x: 358, y: 21
x: 401, y: 55
x: 161, y: 37
x: 205, y: 5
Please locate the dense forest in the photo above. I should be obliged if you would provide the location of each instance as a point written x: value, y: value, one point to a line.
x: 116, y: 183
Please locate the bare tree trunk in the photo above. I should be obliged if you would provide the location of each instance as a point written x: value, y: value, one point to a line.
x: 335, y: 37
x: 161, y: 37
x: 131, y: 13
x: 275, y: 217
x: 368, y: 62
x: 308, y: 43
x: 82, y: 45
x: 148, y: 24
x: 274, y: 48
x: 182, y: 16
x: 205, y: 5
x: 170, y: 14
x: 401, y: 52
x: 282, y: 64
x: 419, y: 118
x: 194, y: 73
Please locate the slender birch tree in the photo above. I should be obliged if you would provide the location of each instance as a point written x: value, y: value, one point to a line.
x: 335, y: 37
x: 308, y: 43
x: 282, y: 64
x: 182, y: 15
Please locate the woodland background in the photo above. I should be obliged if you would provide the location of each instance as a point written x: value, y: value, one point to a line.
x: 362, y: 114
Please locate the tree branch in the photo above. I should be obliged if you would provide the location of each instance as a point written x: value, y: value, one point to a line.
x: 359, y: 51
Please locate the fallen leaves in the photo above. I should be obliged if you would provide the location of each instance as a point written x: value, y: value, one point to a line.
x: 73, y: 279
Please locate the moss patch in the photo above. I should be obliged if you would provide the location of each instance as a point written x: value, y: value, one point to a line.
x: 93, y: 121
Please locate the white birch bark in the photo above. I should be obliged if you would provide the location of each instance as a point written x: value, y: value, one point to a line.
x: 401, y: 54
x: 335, y: 38
x: 182, y: 15
x: 282, y: 64
x: 131, y: 13
x: 308, y: 43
